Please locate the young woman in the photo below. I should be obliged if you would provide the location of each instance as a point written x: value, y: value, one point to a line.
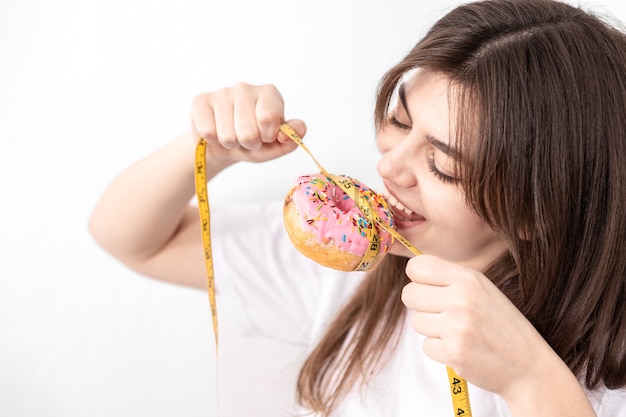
x: 503, y: 153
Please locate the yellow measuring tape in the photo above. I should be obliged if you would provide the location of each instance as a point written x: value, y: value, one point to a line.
x: 458, y: 385
x: 205, y: 222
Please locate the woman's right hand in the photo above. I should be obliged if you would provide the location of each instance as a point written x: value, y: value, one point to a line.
x: 241, y: 123
x: 144, y: 218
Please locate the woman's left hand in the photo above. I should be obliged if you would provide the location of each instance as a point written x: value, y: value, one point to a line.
x: 471, y: 326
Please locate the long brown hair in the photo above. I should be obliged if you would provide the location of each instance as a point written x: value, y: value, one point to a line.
x: 540, y: 90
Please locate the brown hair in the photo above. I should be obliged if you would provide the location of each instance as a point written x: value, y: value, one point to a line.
x: 540, y: 89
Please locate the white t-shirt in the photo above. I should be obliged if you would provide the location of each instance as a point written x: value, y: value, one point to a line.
x: 274, y: 292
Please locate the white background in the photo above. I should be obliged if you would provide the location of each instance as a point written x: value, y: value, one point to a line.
x: 87, y: 88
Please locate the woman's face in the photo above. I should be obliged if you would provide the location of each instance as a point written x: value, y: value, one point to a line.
x: 418, y: 170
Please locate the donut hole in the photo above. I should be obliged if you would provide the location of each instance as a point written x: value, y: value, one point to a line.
x: 341, y: 200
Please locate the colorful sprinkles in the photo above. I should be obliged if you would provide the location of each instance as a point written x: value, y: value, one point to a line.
x: 335, y: 216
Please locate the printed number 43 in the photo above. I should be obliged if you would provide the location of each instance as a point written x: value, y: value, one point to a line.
x: 456, y: 387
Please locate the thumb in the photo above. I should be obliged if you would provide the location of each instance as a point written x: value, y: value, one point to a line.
x: 298, y: 125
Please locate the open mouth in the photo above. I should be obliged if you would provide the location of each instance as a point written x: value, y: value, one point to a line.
x: 403, y: 215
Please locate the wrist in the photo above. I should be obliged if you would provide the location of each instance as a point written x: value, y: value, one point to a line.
x: 548, y: 388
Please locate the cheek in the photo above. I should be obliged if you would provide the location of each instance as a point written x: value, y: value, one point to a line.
x: 468, y: 223
x: 449, y: 210
x: 463, y: 237
x: 453, y: 219
x: 442, y: 201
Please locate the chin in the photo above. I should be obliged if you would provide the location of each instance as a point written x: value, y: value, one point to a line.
x: 399, y: 250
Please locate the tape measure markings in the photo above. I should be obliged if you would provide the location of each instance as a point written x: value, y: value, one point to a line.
x: 205, y: 221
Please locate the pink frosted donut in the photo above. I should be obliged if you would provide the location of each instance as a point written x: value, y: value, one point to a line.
x: 326, y: 225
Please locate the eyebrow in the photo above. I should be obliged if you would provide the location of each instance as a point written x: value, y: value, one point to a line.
x: 442, y: 146
x: 402, y: 97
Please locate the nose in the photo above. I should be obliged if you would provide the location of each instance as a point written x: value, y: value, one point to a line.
x: 397, y: 162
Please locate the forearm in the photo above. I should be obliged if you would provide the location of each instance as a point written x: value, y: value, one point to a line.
x: 144, y: 206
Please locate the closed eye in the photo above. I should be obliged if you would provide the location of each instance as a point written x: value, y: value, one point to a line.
x: 393, y: 120
x: 445, y: 178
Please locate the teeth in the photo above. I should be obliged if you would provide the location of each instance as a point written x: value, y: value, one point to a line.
x: 394, y: 202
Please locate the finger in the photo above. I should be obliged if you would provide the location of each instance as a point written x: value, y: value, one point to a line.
x: 270, y: 112
x: 202, y: 119
x: 425, y: 298
x: 245, y: 123
x: 224, y: 125
x: 274, y: 150
x: 443, y: 351
x: 432, y: 270
x: 435, y: 349
x: 298, y: 125
x: 428, y: 324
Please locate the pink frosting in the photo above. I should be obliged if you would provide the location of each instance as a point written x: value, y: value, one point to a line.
x: 330, y: 213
